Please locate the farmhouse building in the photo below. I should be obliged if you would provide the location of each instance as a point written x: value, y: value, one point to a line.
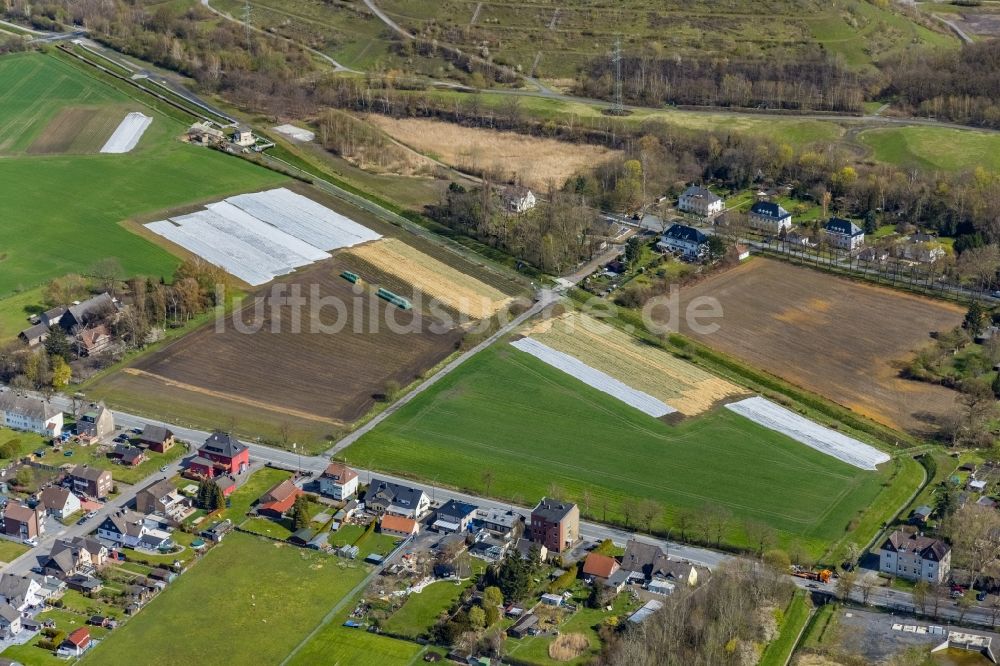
x: 769, y: 217
x: 220, y: 454
x: 96, y: 423
x: 279, y: 499
x: 844, y: 234
x: 156, y: 438
x: 386, y: 497
x: 454, y: 516
x: 684, y: 240
x: 90, y: 481
x: 911, y: 555
x: 398, y: 525
x: 52, y: 317
x: 700, y: 201
x: 32, y: 414
x: 59, y: 502
x: 338, y: 481
x: 23, y: 522
x: 89, y: 312
x: 34, y: 335
x: 93, y: 340
x: 555, y: 524
x: 518, y: 199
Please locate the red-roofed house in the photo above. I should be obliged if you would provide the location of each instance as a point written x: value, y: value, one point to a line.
x: 76, y: 643
x: 220, y: 454
x: 600, y: 566
x: 279, y: 499
x: 398, y: 525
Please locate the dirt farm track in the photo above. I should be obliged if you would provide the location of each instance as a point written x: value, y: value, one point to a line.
x: 842, y: 339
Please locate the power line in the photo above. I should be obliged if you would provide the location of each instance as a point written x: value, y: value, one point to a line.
x: 247, y: 15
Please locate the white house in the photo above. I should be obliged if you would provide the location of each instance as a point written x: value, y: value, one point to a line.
x: 769, y: 217
x: 700, y: 201
x: 518, y: 199
x: 243, y: 136
x: 123, y: 527
x: 21, y: 592
x: 387, y: 497
x: 338, y: 481
x: 684, y: 240
x: 844, y: 234
x: 31, y: 414
x: 60, y: 502
x: 10, y: 621
x: 913, y: 556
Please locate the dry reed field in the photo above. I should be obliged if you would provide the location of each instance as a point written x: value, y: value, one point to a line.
x: 568, y: 647
x: 535, y: 161
x: 685, y: 387
x: 426, y: 275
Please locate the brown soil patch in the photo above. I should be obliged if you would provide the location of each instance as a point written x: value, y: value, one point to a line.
x: 427, y: 277
x: 78, y: 130
x: 332, y: 377
x: 535, y: 161
x: 839, y: 338
x: 567, y: 647
x: 685, y: 387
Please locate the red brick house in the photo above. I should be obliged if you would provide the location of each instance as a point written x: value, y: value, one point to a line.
x: 220, y: 454
x: 555, y: 524
x: 279, y: 499
x: 156, y: 438
x: 22, y: 522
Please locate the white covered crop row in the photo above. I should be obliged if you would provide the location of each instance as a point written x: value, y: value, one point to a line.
x: 840, y: 446
x: 594, y: 378
x: 127, y: 134
x: 259, y: 236
x: 304, y: 218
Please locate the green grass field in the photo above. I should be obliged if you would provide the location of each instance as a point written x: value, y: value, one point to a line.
x: 935, y: 148
x: 779, y: 651
x: 249, y: 601
x: 64, y: 212
x: 420, y: 612
x: 539, y: 430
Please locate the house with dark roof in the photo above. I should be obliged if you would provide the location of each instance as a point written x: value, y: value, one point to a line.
x: 220, y: 454
x: 52, y: 317
x: 96, y: 423
x: 684, y: 240
x: 555, y: 524
x: 770, y: 217
x: 34, y: 335
x: 338, y: 481
x: 844, y: 234
x: 74, y: 556
x: 498, y: 522
x: 22, y: 521
x: 127, y: 455
x: 227, y: 484
x: 20, y: 412
x: 162, y: 498
x: 59, y: 502
x: 279, y: 499
x: 700, y: 201
x: 90, y: 481
x: 387, y: 497
x: 21, y: 592
x: 454, y: 516
x: 89, y: 312
x: 156, y: 438
x: 10, y: 621
x: 123, y: 527
x: 907, y: 553
x: 647, y: 561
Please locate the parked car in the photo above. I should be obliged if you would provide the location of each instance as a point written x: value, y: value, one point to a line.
x: 32, y: 541
x: 163, y: 469
x: 82, y: 520
x: 981, y: 596
x: 68, y: 452
x: 90, y: 514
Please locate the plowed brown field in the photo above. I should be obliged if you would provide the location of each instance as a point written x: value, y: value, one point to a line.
x: 841, y: 339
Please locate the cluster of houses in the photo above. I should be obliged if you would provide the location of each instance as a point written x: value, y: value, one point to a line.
x: 86, y: 322
x: 79, y: 486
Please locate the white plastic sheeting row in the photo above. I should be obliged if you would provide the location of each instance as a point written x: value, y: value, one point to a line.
x: 257, y: 237
x: 840, y: 446
x: 127, y: 134
x: 304, y: 218
x: 595, y: 378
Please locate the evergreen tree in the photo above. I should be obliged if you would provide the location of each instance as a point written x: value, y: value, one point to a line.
x: 300, y: 513
x: 216, y: 499
x: 58, y: 344
x: 975, y: 319
x: 203, y: 493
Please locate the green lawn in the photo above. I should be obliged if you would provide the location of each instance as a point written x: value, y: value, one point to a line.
x: 248, y: 601
x: 29, y: 441
x: 934, y: 147
x: 11, y: 550
x: 527, y: 421
x: 339, y: 646
x: 64, y: 212
x: 375, y: 542
x: 90, y: 455
x: 420, y: 612
x: 796, y: 615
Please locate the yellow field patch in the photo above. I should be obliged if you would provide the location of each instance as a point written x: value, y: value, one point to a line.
x: 685, y: 387
x: 433, y: 278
